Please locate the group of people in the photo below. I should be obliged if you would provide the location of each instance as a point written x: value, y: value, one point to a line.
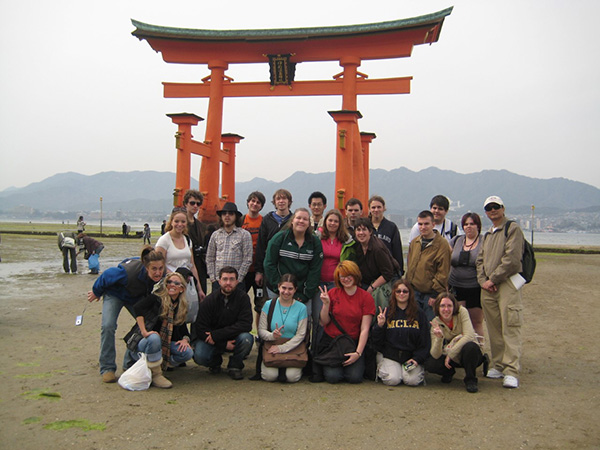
x: 323, y: 282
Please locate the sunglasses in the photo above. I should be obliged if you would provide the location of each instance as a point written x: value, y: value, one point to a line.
x: 492, y: 206
x: 194, y: 203
x: 228, y: 213
x: 179, y: 209
x: 402, y: 291
x: 175, y: 282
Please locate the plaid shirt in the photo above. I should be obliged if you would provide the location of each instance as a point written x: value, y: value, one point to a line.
x: 233, y: 249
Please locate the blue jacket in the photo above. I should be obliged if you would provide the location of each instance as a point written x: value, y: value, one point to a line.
x: 128, y: 281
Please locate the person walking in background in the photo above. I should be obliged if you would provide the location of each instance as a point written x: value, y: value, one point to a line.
x: 92, y: 251
x: 498, y: 267
x: 146, y: 235
x: 67, y: 243
x: 80, y: 225
x: 162, y: 227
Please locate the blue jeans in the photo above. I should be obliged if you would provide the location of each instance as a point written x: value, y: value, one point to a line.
x: 422, y: 299
x: 152, y: 347
x: 352, y: 373
x: 111, y: 307
x: 208, y: 355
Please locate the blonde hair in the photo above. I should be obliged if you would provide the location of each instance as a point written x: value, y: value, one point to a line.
x: 166, y: 301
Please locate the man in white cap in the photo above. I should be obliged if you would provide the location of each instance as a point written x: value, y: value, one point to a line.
x: 230, y: 245
x: 498, y: 267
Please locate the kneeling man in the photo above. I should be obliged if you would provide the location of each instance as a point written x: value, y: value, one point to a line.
x: 223, y: 325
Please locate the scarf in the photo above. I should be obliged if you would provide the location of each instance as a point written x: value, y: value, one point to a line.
x: 166, y: 331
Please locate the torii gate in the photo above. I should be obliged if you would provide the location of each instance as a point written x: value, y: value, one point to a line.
x: 282, y: 49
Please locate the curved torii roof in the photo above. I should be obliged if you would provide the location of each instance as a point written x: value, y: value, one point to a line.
x: 382, y: 40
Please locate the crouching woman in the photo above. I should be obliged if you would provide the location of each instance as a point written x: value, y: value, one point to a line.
x: 161, y: 330
x: 453, y: 342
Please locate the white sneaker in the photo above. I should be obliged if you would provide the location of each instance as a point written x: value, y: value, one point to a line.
x: 495, y: 373
x: 510, y: 382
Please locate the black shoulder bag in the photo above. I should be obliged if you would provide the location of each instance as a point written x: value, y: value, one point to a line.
x: 334, y: 355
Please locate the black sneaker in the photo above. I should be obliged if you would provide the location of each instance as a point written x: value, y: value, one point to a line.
x: 235, y: 374
x: 471, y: 387
x: 447, y: 378
x: 316, y: 378
x: 215, y: 370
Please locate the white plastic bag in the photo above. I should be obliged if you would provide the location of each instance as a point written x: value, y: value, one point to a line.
x: 138, y: 377
x: 192, y: 299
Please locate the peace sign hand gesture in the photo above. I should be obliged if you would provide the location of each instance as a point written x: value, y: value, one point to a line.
x: 324, y: 295
x: 381, y: 317
x: 277, y: 331
x: 435, y: 327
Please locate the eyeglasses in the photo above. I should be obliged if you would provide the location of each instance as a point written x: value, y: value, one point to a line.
x: 491, y: 206
x: 179, y: 209
x: 175, y: 282
x: 194, y: 203
x: 402, y: 291
x: 228, y: 213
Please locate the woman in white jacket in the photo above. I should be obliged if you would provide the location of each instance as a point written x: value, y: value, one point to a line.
x: 453, y: 343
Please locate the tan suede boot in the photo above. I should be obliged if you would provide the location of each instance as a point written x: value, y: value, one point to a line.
x: 157, y: 377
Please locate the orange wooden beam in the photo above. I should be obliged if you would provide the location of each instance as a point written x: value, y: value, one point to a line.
x: 199, y: 148
x: 400, y: 85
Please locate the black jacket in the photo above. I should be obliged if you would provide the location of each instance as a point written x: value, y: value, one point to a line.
x: 268, y: 228
x: 223, y: 321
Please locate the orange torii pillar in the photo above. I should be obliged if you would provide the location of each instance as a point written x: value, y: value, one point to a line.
x: 183, y: 143
x: 229, y: 141
x: 209, y: 170
x: 366, y: 138
x: 350, y: 164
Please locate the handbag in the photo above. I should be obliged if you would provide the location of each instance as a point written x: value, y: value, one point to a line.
x: 138, y: 377
x: 334, y: 355
x: 297, y: 357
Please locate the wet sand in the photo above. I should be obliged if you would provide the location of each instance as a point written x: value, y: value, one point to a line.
x: 50, y: 373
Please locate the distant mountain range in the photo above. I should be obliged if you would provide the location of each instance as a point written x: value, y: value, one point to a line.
x: 405, y: 191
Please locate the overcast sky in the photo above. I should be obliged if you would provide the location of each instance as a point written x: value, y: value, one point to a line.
x: 510, y: 85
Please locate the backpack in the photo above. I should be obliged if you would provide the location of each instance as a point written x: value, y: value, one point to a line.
x: 528, y: 259
x: 67, y: 241
x: 453, y: 230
